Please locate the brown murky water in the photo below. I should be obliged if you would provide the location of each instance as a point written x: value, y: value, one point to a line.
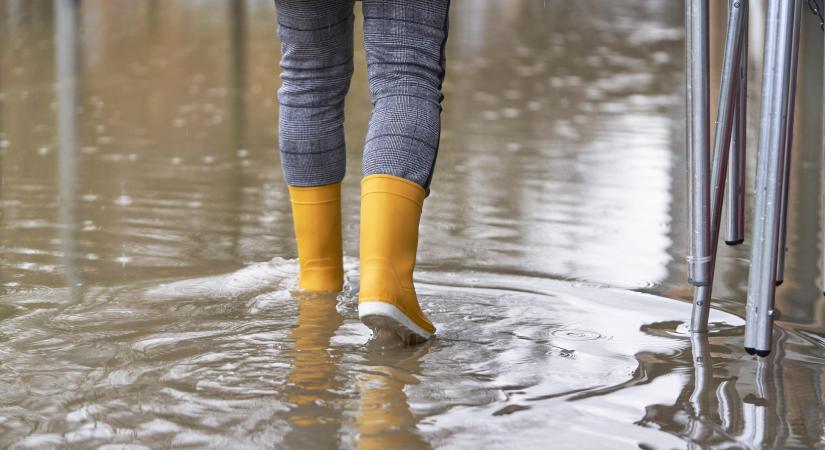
x: 147, y: 269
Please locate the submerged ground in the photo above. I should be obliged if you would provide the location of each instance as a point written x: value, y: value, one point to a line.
x: 147, y: 269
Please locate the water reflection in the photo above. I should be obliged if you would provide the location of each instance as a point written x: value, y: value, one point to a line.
x: 557, y: 125
x: 794, y: 298
x: 313, y: 377
x: 384, y: 416
x: 66, y: 63
x: 721, y: 407
x: 317, y: 384
x: 237, y: 63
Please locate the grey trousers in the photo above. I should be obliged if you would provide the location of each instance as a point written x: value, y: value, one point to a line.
x: 404, y: 42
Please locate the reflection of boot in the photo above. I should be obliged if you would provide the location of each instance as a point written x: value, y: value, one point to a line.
x: 385, y: 420
x: 390, y: 212
x: 384, y: 417
x: 314, y: 366
x: 312, y: 382
x: 316, y: 214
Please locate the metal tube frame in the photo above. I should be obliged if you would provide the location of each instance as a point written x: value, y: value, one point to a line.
x: 788, y: 147
x: 773, y: 127
x: 738, y: 149
x: 773, y: 159
x: 728, y: 94
x: 697, y: 64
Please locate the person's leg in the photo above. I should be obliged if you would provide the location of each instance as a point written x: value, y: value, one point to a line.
x: 316, y: 67
x: 404, y: 40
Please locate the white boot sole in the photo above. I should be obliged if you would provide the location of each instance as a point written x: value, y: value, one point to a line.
x: 383, y: 317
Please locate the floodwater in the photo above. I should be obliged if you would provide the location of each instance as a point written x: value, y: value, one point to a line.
x: 147, y: 269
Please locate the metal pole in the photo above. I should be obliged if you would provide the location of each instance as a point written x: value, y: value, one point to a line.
x: 721, y: 143
x: 788, y: 147
x: 697, y: 63
x: 738, y: 146
x: 762, y: 278
x: 822, y: 121
x: 769, y: 63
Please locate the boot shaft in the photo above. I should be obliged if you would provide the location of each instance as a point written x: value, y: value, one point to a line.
x: 316, y: 216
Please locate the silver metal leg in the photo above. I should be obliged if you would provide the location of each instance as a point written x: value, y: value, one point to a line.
x: 697, y: 65
x: 738, y: 148
x: 822, y: 206
x: 66, y: 58
x: 788, y: 147
x: 721, y: 144
x: 775, y: 89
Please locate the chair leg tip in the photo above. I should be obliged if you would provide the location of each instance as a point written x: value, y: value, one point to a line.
x: 759, y: 353
x: 736, y: 242
x: 779, y: 282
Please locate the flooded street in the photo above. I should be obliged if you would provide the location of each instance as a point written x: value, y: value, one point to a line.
x: 148, y: 274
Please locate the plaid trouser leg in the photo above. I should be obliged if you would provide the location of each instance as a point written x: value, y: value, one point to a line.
x: 404, y: 41
x: 316, y: 67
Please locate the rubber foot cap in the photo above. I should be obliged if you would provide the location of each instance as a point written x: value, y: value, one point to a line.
x: 779, y: 282
x: 750, y: 351
x: 737, y: 242
x: 763, y: 353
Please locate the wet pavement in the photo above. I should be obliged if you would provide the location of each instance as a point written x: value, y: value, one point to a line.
x: 147, y: 269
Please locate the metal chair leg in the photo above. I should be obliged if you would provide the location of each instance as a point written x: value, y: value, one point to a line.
x: 697, y: 66
x: 788, y: 147
x: 773, y: 124
x: 722, y: 139
x: 738, y: 148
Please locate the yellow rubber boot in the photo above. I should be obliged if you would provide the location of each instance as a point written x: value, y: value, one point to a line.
x: 390, y: 213
x: 316, y: 214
